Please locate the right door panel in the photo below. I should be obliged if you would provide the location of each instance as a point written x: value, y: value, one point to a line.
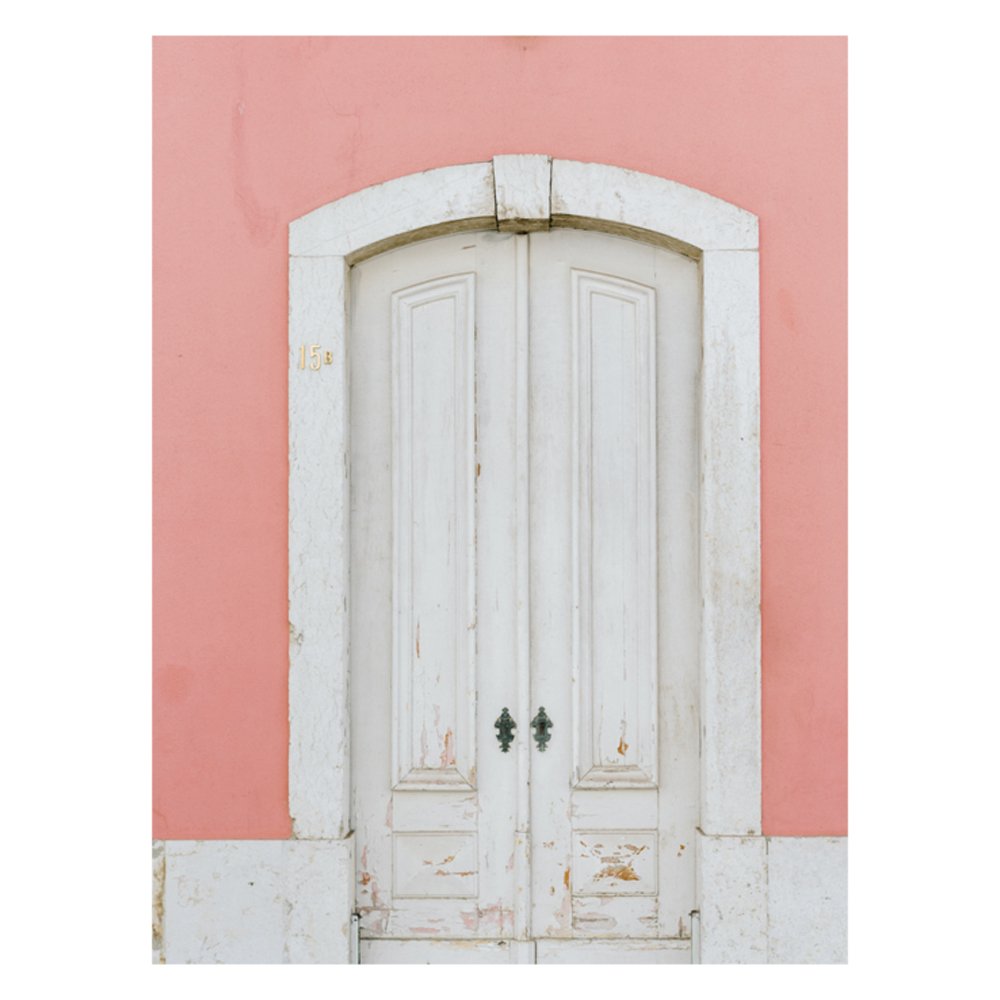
x: 614, y: 363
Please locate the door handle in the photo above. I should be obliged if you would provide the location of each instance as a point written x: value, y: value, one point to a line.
x: 505, y: 727
x: 541, y: 724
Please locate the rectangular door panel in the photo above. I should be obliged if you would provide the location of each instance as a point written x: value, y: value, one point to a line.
x: 434, y: 557
x: 614, y: 542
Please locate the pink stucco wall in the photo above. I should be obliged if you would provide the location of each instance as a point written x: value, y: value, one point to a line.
x: 251, y: 133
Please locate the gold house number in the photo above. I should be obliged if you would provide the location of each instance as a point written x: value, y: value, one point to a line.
x: 315, y: 359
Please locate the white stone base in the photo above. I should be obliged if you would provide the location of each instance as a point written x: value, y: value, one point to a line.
x: 773, y: 899
x: 254, y: 901
x: 807, y: 899
x: 761, y: 899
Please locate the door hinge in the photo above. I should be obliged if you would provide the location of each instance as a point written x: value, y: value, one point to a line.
x: 355, y: 938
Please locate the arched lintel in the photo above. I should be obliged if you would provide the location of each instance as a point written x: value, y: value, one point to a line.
x: 521, y: 193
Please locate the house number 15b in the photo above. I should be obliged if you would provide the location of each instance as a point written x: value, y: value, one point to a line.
x: 315, y: 359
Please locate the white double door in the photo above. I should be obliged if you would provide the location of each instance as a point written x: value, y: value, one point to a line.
x: 524, y: 536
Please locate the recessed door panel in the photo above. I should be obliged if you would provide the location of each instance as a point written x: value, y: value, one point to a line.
x: 433, y: 530
x: 613, y: 340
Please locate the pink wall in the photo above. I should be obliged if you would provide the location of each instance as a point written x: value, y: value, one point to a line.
x: 251, y: 133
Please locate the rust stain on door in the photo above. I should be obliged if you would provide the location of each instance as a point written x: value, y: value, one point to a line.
x: 626, y: 873
x: 448, y: 753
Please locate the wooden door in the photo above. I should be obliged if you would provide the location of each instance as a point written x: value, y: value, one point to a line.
x: 523, y: 534
x: 432, y: 599
x: 614, y: 357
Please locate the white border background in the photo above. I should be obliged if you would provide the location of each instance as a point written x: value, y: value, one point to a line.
x: 75, y: 393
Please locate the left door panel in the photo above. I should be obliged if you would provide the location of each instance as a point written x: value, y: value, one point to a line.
x: 433, y: 601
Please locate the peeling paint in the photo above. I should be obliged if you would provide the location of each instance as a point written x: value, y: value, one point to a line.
x: 444, y: 861
x: 595, y: 921
x: 374, y: 921
x: 159, y: 881
x: 493, y: 914
x: 448, y: 753
x: 563, y: 917
x: 624, y: 872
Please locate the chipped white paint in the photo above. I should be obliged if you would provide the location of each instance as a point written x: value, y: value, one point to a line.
x: 452, y: 871
x: 433, y: 510
x: 614, y: 863
x: 384, y: 215
x: 807, y: 899
x: 723, y: 239
x: 430, y: 865
x: 600, y: 196
x: 522, y: 600
x: 730, y: 544
x: 318, y: 570
x: 732, y: 893
x: 257, y: 901
x: 776, y: 899
x: 522, y: 192
x: 159, y: 871
x: 625, y: 198
x: 612, y: 424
